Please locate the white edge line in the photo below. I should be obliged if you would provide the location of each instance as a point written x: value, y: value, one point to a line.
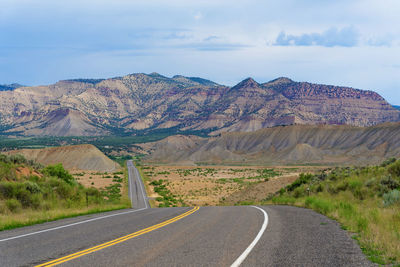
x: 68, y: 225
x: 130, y: 184
x: 245, y: 253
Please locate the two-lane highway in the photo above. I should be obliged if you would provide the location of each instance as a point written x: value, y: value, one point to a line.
x: 209, y: 236
x: 137, y: 192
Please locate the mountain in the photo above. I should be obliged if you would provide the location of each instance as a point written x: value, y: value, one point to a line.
x: 77, y: 157
x: 9, y: 87
x: 144, y: 103
x: 296, y: 144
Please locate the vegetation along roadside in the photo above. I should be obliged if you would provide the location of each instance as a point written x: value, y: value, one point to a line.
x: 31, y: 193
x: 365, y: 200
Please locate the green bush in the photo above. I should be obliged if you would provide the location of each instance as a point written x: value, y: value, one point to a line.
x: 59, y: 172
x: 13, y: 205
x: 8, y: 189
x: 298, y: 192
x: 388, y: 162
x: 391, y: 198
x: 394, y: 169
x: 7, y: 172
x: 32, y: 187
x: 387, y: 184
x: 303, y: 179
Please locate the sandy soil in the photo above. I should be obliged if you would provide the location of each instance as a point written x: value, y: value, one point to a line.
x: 99, y: 180
x: 213, y: 185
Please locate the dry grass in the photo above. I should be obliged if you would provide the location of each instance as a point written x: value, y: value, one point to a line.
x: 213, y: 185
x: 30, y: 217
x: 99, y: 180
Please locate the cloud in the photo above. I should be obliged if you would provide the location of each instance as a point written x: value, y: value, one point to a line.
x: 212, y: 46
x: 198, y: 16
x: 347, y: 37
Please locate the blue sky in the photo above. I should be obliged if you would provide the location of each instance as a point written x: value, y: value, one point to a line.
x: 350, y: 43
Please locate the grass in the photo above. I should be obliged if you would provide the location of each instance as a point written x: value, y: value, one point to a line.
x: 49, y: 193
x: 365, y: 200
x: 31, y: 217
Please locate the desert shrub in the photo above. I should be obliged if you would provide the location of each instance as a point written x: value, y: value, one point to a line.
x: 394, y: 169
x: 388, y: 162
x: 8, y: 189
x: 370, y: 182
x: 59, y: 172
x: 361, y: 193
x: 36, y: 201
x: 25, y: 197
x: 17, y: 159
x: 7, y: 172
x: 64, y: 190
x: 355, y: 185
x: 298, y: 192
x: 13, y: 205
x: 391, y: 198
x: 303, y: 179
x: 32, y: 187
x: 318, y: 188
x: 387, y: 184
x: 342, y: 186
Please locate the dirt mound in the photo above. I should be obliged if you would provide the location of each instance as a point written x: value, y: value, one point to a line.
x: 298, y: 144
x: 77, y: 157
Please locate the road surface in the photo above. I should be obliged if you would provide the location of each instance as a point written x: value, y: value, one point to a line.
x: 206, y: 236
x: 137, y: 192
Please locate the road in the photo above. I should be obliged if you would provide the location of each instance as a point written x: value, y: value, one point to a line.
x: 185, y: 236
x: 210, y: 236
x: 137, y: 191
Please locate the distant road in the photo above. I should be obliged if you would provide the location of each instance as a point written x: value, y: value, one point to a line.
x: 206, y: 236
x: 137, y: 192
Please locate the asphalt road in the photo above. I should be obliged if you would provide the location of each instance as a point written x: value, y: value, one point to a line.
x: 137, y: 192
x: 210, y: 236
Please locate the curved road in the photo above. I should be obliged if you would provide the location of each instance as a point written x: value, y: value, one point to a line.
x: 206, y: 236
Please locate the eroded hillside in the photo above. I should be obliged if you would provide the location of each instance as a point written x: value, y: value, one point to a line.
x: 141, y: 103
x: 298, y: 144
x: 77, y: 157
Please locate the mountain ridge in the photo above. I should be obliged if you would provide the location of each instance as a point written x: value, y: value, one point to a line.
x: 142, y: 103
x: 295, y: 144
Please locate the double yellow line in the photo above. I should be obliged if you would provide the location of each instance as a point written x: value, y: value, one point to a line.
x: 117, y: 241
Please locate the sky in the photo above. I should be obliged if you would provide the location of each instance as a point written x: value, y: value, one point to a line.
x: 342, y: 42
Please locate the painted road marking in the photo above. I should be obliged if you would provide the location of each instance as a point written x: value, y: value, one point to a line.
x: 245, y: 253
x: 69, y: 225
x: 117, y: 241
x: 130, y: 185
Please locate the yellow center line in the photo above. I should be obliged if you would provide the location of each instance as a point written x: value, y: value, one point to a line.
x: 118, y: 240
